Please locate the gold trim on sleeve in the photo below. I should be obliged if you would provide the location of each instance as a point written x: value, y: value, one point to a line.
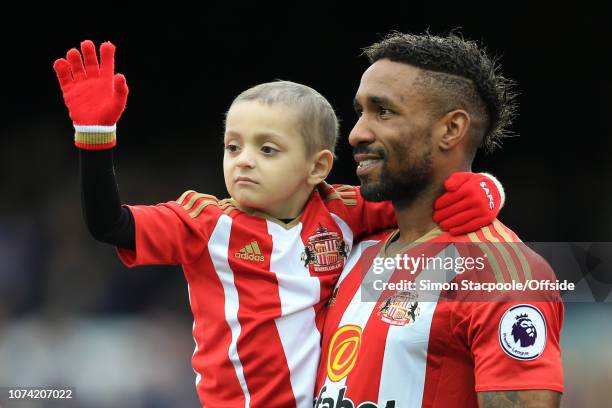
x: 505, y: 254
x: 490, y: 256
x: 519, y: 253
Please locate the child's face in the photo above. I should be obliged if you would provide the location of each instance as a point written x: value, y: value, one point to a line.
x: 265, y: 164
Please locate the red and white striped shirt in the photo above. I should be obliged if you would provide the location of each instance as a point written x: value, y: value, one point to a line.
x: 257, y: 287
x: 393, y: 349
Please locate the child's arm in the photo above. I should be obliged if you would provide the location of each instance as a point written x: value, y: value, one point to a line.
x: 106, y: 219
x: 471, y: 201
x: 96, y: 97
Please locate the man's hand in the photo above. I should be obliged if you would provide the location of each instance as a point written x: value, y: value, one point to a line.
x: 471, y: 201
x: 94, y: 94
x: 519, y: 399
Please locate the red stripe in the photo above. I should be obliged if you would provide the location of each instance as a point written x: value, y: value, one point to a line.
x: 259, y: 345
x: 219, y: 384
x: 364, y: 385
x: 343, y: 298
x: 87, y: 146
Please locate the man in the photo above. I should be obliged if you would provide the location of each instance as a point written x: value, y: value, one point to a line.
x: 425, y: 105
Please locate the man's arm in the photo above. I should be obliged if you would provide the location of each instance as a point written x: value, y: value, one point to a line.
x: 519, y: 399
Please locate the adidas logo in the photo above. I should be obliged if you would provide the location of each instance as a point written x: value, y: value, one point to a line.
x: 250, y: 252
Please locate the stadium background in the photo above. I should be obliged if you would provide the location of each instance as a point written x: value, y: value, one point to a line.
x: 71, y: 314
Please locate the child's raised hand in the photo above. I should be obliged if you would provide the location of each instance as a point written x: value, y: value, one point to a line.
x: 94, y: 95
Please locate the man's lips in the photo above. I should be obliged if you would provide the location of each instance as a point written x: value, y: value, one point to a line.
x: 366, y: 162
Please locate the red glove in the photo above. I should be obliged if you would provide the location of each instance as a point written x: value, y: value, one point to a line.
x: 94, y: 95
x: 471, y: 201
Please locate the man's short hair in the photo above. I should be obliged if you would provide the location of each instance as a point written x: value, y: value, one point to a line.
x: 318, y: 121
x: 458, y: 74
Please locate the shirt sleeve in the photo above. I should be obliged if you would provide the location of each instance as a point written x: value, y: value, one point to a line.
x: 515, y: 346
x: 512, y: 335
x: 165, y: 234
x: 363, y: 217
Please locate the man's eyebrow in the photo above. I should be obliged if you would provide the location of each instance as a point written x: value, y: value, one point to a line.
x: 381, y: 100
x: 375, y: 100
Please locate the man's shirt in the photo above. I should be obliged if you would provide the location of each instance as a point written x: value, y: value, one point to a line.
x: 437, y: 348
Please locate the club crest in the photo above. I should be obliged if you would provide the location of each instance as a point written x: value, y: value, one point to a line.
x: 400, y: 309
x: 325, y: 251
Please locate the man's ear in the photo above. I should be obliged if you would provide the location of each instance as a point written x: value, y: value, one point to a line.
x: 321, y: 165
x: 452, y: 129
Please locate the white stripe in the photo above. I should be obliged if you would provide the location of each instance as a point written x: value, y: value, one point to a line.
x: 95, y: 128
x: 353, y: 257
x: 298, y: 292
x: 347, y: 232
x: 404, y: 364
x: 198, y: 374
x: 218, y: 247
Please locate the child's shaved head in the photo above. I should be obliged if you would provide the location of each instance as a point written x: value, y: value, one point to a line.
x: 319, y: 124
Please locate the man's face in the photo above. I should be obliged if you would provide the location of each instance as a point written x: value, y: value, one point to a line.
x: 392, y: 140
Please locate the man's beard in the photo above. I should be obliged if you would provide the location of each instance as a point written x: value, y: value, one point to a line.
x: 402, y: 187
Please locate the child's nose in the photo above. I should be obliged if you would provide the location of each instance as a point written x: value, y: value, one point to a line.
x: 245, y: 160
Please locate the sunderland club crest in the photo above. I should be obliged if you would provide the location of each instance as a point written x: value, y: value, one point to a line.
x: 324, y: 250
x: 400, y: 309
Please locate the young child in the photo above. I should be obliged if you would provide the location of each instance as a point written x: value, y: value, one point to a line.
x: 260, y: 265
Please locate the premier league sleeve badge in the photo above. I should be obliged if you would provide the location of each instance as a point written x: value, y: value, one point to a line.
x: 522, y: 332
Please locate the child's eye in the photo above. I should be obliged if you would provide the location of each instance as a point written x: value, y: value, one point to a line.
x: 268, y: 150
x: 232, y: 148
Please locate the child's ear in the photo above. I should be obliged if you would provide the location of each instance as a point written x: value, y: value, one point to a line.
x: 321, y: 163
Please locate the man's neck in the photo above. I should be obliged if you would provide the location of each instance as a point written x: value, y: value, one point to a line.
x: 414, y: 219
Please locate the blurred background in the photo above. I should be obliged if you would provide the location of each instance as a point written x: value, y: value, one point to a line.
x: 72, y: 314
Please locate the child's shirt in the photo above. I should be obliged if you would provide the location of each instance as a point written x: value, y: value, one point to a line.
x: 257, y: 286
